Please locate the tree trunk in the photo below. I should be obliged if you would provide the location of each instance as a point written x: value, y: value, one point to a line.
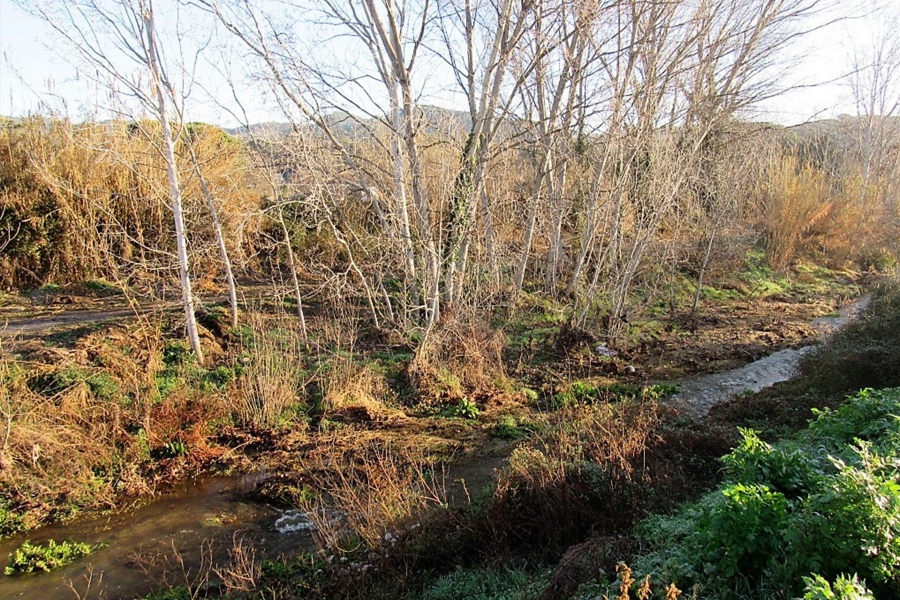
x: 174, y: 189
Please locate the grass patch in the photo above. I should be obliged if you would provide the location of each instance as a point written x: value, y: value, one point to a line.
x: 487, y: 584
x: 102, y: 288
x: 585, y: 392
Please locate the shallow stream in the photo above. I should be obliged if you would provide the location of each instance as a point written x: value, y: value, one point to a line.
x: 195, y: 524
x: 699, y: 394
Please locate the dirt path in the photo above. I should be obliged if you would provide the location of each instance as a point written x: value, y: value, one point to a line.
x: 28, y: 327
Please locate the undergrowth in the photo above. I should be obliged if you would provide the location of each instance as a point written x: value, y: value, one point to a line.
x: 825, y: 503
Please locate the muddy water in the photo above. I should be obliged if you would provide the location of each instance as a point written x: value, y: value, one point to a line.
x: 199, y: 520
x: 699, y: 394
x: 213, y: 510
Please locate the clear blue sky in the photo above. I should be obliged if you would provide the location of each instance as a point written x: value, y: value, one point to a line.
x: 30, y: 73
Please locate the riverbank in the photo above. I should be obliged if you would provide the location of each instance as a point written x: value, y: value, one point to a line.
x: 379, y: 413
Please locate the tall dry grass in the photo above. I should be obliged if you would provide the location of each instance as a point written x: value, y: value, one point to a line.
x: 461, y: 357
x: 801, y: 197
x: 830, y: 219
x: 274, y: 357
x: 367, y: 497
x: 89, y: 201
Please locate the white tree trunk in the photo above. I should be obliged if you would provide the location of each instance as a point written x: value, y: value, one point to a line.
x: 174, y: 187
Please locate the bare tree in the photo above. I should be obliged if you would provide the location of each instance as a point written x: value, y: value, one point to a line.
x: 875, y: 87
x: 676, y: 71
x: 217, y: 230
x: 113, y: 37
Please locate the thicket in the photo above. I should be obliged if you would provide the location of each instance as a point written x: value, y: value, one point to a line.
x: 87, y: 201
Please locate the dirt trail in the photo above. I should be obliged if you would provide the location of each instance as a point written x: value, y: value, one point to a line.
x: 27, y: 327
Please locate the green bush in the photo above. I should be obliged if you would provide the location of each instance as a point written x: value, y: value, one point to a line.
x: 508, y: 428
x: 174, y: 593
x: 585, y: 392
x: 36, y: 557
x: 10, y: 520
x: 743, y: 532
x: 869, y: 415
x: 787, y: 469
x: 825, y: 503
x: 845, y: 588
x: 853, y: 521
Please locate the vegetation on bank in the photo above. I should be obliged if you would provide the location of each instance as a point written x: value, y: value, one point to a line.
x: 697, y: 508
x: 366, y: 410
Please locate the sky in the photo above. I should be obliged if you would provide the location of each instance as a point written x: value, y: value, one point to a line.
x: 33, y: 75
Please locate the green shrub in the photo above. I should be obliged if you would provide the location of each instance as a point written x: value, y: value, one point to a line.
x: 10, y: 520
x: 853, y: 521
x: 174, y: 449
x: 178, y: 592
x: 36, y: 557
x: 845, y: 588
x: 104, y: 387
x: 827, y: 502
x: 869, y: 415
x: 585, y: 392
x: 743, y: 532
x: 787, y: 469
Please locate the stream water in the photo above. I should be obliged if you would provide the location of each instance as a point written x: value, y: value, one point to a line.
x: 199, y: 520
x: 699, y: 394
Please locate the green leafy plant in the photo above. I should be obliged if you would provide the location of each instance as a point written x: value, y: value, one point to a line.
x: 787, y: 469
x: 844, y: 588
x: 465, y: 409
x: 29, y: 557
x: 743, y: 532
x: 825, y: 503
x: 174, y: 448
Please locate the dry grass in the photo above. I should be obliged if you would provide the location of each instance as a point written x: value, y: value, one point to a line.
x: 813, y: 214
x: 585, y: 472
x: 462, y: 357
x: 367, y: 497
x: 350, y: 385
x: 800, y: 200
x: 274, y: 378
x: 170, y: 569
x: 243, y: 571
x: 83, y: 426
